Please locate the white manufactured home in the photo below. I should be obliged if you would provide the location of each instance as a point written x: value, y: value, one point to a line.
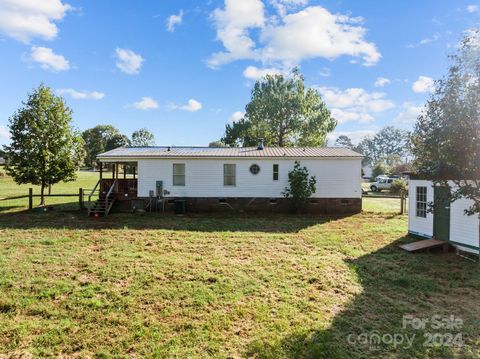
x: 232, y: 178
x: 445, y: 221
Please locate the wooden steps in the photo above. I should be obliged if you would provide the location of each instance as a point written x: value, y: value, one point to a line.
x: 424, y: 245
x: 101, y: 207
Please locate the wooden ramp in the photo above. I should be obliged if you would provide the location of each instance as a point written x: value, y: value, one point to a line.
x: 424, y: 244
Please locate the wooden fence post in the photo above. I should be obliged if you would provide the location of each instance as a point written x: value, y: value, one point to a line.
x: 30, y: 199
x: 402, y: 200
x: 80, y: 198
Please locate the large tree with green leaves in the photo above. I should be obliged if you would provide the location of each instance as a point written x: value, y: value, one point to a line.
x: 143, y: 138
x: 446, y: 140
x: 284, y: 112
x: 44, y: 148
x: 102, y: 138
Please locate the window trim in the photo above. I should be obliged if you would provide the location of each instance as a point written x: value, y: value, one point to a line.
x: 277, y: 172
x: 179, y: 175
x: 421, y: 201
x: 234, y: 175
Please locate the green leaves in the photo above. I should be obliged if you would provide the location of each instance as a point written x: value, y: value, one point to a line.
x: 44, y: 148
x: 143, y: 137
x: 446, y: 140
x: 302, y: 186
x: 284, y: 113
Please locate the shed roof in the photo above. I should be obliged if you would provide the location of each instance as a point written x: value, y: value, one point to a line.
x: 222, y: 152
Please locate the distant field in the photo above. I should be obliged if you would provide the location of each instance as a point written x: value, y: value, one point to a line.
x: 8, y: 188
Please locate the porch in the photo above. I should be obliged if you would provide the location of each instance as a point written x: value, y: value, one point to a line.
x: 117, y: 184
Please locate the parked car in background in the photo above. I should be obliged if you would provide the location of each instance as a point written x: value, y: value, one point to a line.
x: 382, y: 183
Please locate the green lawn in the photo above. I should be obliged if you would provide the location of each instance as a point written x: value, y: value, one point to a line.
x: 224, y: 286
x: 8, y: 188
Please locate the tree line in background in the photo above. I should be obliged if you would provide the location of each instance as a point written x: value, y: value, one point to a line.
x: 104, y: 138
x: 388, y: 152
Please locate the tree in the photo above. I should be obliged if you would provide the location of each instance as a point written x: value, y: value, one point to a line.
x: 283, y: 112
x: 302, y: 186
x: 117, y: 140
x: 446, y: 139
x: 99, y: 139
x: 44, y: 148
x: 143, y: 138
x: 389, y: 145
x: 217, y: 144
x: 380, y: 169
x: 344, y: 141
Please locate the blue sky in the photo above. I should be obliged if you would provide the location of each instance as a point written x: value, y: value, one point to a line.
x: 183, y: 69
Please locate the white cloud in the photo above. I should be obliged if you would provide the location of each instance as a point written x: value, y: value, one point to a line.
x: 325, y: 72
x: 233, y: 23
x: 81, y: 95
x: 236, y: 116
x: 423, y: 84
x: 174, y: 20
x: 4, y: 133
x: 128, y: 61
x: 408, y: 114
x: 48, y: 60
x: 145, y: 104
x: 425, y: 41
x: 354, y: 104
x: 382, y: 81
x: 283, y: 6
x: 255, y: 73
x: 27, y: 19
x: 192, y: 106
x: 355, y: 136
x: 309, y: 33
x: 472, y: 8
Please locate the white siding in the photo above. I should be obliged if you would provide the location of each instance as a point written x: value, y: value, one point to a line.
x: 463, y: 229
x: 419, y: 225
x: 336, y: 178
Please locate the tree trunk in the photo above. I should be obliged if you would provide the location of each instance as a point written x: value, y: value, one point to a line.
x: 42, y: 192
x: 49, y: 189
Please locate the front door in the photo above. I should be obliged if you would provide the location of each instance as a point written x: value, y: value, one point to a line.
x: 441, y: 213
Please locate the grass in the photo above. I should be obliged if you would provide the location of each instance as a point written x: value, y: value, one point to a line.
x: 8, y: 188
x: 156, y: 285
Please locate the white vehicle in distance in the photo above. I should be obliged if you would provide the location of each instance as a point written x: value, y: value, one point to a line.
x: 381, y: 183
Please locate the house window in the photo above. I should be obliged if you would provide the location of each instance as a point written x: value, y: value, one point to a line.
x: 179, y: 174
x: 229, y: 172
x: 275, y: 172
x: 422, y: 202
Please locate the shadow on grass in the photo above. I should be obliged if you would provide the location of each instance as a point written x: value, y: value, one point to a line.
x: 67, y: 215
x: 395, y: 284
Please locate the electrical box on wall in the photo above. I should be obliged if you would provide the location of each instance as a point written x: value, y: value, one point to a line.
x: 159, y: 189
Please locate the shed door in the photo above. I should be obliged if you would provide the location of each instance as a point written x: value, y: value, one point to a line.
x: 441, y: 213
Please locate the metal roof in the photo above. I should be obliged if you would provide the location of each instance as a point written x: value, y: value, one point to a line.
x: 123, y: 153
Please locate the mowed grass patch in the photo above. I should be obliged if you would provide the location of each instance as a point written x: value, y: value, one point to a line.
x: 8, y: 188
x: 222, y: 286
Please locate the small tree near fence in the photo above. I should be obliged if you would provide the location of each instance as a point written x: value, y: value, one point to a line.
x: 44, y: 148
x: 302, y: 186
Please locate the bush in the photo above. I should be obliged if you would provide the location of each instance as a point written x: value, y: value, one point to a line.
x: 302, y: 186
x: 380, y: 169
x: 399, y: 185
